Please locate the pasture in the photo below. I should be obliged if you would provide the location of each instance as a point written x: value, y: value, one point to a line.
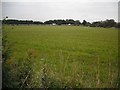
x: 63, y: 56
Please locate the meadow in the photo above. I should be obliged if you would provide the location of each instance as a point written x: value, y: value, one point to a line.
x: 62, y: 56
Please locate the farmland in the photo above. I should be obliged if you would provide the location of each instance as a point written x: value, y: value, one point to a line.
x: 62, y: 56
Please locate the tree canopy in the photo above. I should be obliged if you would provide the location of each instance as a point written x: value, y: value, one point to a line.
x: 107, y: 23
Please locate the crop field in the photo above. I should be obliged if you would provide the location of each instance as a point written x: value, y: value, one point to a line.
x: 62, y: 56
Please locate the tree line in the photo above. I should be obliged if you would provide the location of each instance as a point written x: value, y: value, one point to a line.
x: 106, y: 23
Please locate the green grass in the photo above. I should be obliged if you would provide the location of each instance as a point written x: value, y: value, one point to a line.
x: 72, y: 56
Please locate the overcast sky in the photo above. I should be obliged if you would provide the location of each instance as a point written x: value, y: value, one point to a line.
x: 93, y: 10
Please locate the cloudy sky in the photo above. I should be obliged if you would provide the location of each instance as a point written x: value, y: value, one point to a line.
x: 41, y: 10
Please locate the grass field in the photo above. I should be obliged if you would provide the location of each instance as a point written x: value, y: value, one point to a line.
x: 65, y: 56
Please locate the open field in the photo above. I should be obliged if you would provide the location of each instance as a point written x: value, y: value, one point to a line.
x: 64, y: 56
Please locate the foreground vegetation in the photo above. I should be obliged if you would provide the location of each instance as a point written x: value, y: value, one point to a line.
x: 60, y: 57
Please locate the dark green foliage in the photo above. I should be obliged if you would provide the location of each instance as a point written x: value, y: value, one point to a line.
x: 17, y: 22
x: 107, y: 23
x: 84, y: 22
x: 27, y: 22
x: 63, y: 22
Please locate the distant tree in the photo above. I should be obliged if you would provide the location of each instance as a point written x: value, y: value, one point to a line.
x: 77, y: 22
x: 84, y: 22
x: 106, y: 23
x: 110, y: 23
x: 48, y: 22
x: 37, y: 22
x: 59, y: 22
x: 88, y: 24
x: 4, y: 20
x: 95, y: 24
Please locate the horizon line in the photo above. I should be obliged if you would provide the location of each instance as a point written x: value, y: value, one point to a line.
x: 61, y: 19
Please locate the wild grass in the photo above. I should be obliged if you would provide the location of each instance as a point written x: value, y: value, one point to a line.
x: 64, y: 56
